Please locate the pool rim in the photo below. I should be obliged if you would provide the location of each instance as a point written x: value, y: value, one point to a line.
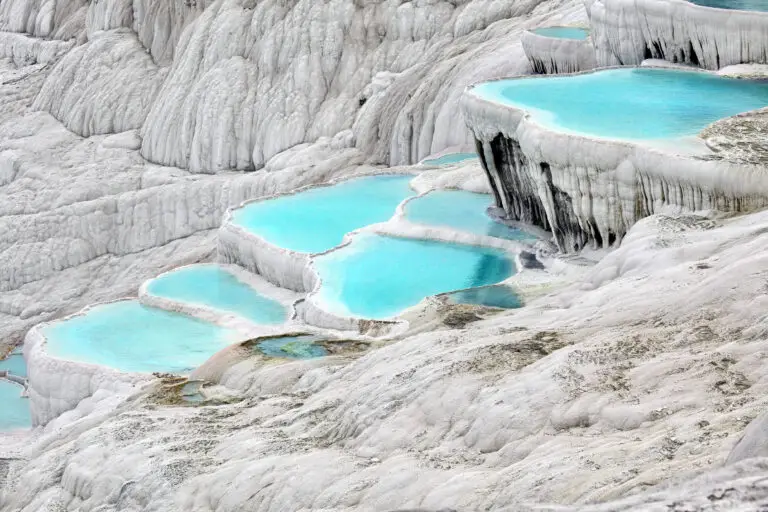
x: 587, y: 39
x: 229, y: 213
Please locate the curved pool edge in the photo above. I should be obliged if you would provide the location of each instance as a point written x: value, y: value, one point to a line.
x: 314, y: 312
x: 221, y: 317
x: 626, y: 180
x: 57, y: 385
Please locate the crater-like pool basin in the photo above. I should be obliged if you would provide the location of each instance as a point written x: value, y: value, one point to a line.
x: 562, y: 32
x: 317, y: 219
x: 14, y: 409
x: 632, y: 103
x: 212, y: 286
x: 742, y: 5
x: 380, y: 276
x: 131, y: 337
x: 498, y: 296
x: 292, y: 347
x: 450, y: 158
x: 460, y: 210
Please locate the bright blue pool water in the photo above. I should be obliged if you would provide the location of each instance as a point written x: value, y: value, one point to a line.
x: 498, y: 296
x: 14, y: 410
x: 317, y: 220
x: 135, y: 338
x: 15, y: 364
x: 450, y: 158
x: 292, y: 347
x: 562, y: 32
x: 743, y: 5
x: 379, y: 276
x: 213, y: 286
x: 630, y: 103
x: 460, y: 210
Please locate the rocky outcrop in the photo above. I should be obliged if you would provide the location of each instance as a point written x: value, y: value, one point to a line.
x: 626, y: 32
x: 106, y: 85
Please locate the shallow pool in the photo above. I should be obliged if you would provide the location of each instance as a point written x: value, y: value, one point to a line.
x: 629, y: 103
x: 131, y: 337
x: 498, y: 296
x: 380, y: 276
x: 15, y: 364
x: 450, y: 158
x: 213, y: 286
x: 562, y: 32
x: 317, y: 219
x: 292, y: 347
x: 15, y: 409
x: 743, y: 5
x: 460, y: 210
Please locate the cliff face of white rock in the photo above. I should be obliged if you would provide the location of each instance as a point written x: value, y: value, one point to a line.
x: 626, y: 32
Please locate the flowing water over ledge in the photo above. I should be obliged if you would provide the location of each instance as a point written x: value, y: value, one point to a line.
x: 131, y: 337
x: 577, y: 33
x: 316, y: 220
x: 214, y: 287
x: 379, y: 277
x: 629, y: 103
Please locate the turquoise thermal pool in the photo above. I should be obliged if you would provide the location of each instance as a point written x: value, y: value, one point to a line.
x: 634, y: 103
x: 316, y: 220
x: 498, y: 296
x: 450, y: 158
x: 15, y: 408
x: 15, y: 364
x: 292, y: 347
x: 212, y: 286
x: 380, y: 276
x: 562, y: 32
x: 131, y: 337
x: 460, y: 210
x: 742, y: 5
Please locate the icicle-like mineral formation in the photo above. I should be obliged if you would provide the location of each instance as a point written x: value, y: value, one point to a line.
x: 627, y: 32
x: 552, y: 55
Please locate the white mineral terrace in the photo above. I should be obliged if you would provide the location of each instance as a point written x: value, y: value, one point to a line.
x: 634, y: 377
x: 608, y: 184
